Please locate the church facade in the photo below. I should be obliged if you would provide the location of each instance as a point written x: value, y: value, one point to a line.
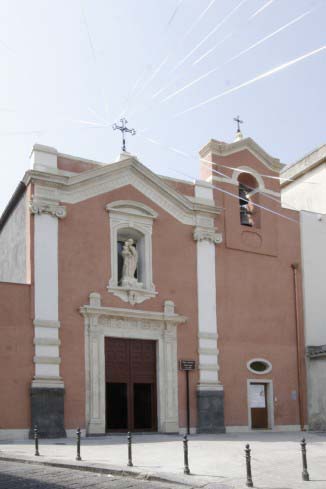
x: 112, y: 275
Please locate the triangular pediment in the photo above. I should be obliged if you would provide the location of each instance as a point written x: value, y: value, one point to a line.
x: 225, y: 149
x: 102, y: 179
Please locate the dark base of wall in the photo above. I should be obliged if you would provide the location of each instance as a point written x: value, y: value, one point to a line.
x: 210, y: 407
x: 47, y: 406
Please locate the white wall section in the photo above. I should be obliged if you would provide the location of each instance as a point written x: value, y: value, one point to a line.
x: 207, y: 238
x: 46, y: 289
x: 13, y: 246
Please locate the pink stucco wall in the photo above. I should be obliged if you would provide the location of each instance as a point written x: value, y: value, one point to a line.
x: 255, y: 297
x: 16, y: 355
x: 84, y: 267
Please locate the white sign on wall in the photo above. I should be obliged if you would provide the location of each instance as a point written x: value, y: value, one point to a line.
x: 257, y: 396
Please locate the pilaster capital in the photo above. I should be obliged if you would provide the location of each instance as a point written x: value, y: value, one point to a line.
x: 47, y: 207
x: 207, y: 234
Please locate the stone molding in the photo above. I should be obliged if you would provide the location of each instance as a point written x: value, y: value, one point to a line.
x: 47, y: 341
x: 47, y: 360
x: 306, y: 164
x: 207, y: 351
x: 224, y: 149
x: 48, y: 382
x: 101, y: 322
x: 131, y: 208
x: 103, y: 179
x: 52, y: 208
x: 132, y: 295
x: 138, y: 218
x: 210, y: 386
x: 133, y: 314
x: 207, y: 336
x: 233, y: 180
x: 201, y: 234
x: 46, y: 323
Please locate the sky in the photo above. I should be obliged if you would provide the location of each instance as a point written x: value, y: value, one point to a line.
x: 71, y: 68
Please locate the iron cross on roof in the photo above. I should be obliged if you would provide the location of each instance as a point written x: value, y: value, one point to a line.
x: 123, y: 130
x: 238, y: 121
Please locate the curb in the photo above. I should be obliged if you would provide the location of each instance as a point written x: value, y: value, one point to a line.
x: 96, y: 468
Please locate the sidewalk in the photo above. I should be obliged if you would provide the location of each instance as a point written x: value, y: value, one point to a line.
x: 214, y: 460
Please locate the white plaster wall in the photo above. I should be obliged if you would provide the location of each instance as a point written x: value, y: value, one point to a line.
x: 206, y: 286
x: 313, y: 250
x: 203, y: 190
x: 42, y: 332
x: 307, y: 192
x: 206, y: 283
x: 46, y: 267
x: 317, y: 393
x: 47, y: 370
x: 43, y: 157
x: 13, y: 246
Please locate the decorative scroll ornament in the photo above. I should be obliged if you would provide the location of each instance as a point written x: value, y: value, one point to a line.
x: 55, y: 210
x: 201, y: 234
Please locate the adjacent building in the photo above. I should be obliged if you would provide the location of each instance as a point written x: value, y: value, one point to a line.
x: 304, y: 188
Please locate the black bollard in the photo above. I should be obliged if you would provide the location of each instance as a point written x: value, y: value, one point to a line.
x: 37, y: 453
x: 186, y: 469
x: 249, y: 482
x: 305, y: 475
x: 130, y: 464
x: 78, y: 457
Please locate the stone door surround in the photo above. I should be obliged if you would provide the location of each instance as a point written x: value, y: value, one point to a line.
x: 101, y: 322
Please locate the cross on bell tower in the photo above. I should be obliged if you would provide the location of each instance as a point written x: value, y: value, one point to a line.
x: 238, y: 121
x: 123, y: 130
x: 239, y: 134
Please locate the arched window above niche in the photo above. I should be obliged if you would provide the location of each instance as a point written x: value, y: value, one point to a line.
x: 248, y: 197
x: 131, y: 225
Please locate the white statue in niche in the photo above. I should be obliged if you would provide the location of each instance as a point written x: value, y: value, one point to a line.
x: 130, y: 262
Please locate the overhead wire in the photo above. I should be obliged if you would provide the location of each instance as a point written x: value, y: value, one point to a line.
x: 174, y: 12
x: 186, y: 155
x: 261, y: 9
x: 154, y: 71
x: 203, y: 56
x: 261, y: 174
x: 198, y: 19
x: 152, y: 75
x: 257, y: 78
x: 238, y: 55
x: 253, y: 189
x: 205, y: 38
x: 209, y: 51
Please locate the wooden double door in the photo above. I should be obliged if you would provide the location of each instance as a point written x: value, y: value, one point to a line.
x: 130, y: 372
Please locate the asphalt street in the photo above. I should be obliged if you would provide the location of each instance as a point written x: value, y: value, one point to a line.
x: 15, y: 475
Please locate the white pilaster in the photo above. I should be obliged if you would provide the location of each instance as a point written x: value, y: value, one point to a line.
x: 46, y: 324
x: 43, y: 157
x: 207, y: 238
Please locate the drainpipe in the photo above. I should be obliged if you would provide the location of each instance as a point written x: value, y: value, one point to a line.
x: 12, y: 204
x: 299, y: 346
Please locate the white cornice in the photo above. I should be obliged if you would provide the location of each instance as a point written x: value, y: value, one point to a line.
x: 131, y: 208
x: 303, y: 166
x: 88, y: 184
x: 224, y: 149
x: 123, y: 313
